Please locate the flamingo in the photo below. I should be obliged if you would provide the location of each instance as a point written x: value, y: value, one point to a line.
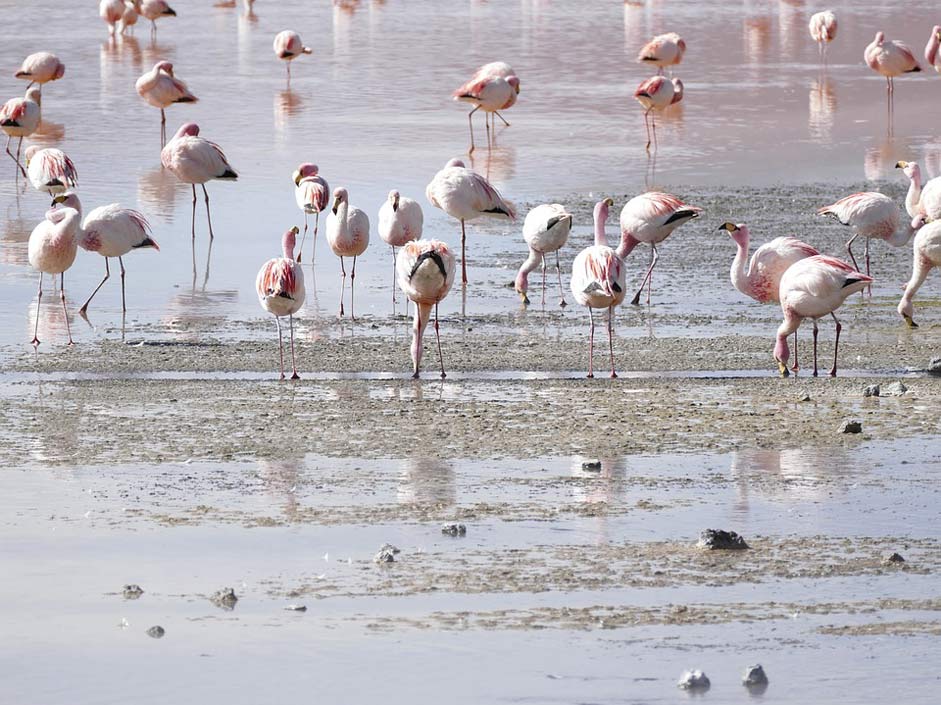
x: 425, y: 270
x: 466, y: 195
x: 41, y: 68
x: 111, y: 231
x: 927, y: 256
x: 348, y: 236
x: 161, y: 89
x: 153, y: 10
x: 400, y: 221
x: 931, y: 48
x: 823, y: 28
x: 52, y: 247
x: 132, y: 11
x: 288, y: 46
x: 598, y: 281
x: 503, y: 70
x: 651, y: 217
x: 50, y: 169
x: 663, y: 50
x: 312, y: 194
x: 871, y: 215
x: 19, y: 117
x: 493, y: 87
x: 111, y: 11
x: 921, y: 200
x: 195, y: 160
x: 890, y: 59
x: 656, y: 93
x: 280, y: 287
x: 545, y: 229
x: 812, y: 288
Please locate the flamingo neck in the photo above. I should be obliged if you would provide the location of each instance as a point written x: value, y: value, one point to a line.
x: 422, y: 314
x: 904, y: 232
x: 628, y: 243
x: 601, y: 237
x: 914, y: 193
x: 738, y: 274
x: 522, y: 277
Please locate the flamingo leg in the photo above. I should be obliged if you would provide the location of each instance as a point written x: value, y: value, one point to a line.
x: 293, y: 358
x: 470, y: 125
x: 393, y: 280
x: 163, y: 128
x: 313, y: 253
x: 796, y: 367
x: 352, y: 289
x: 497, y: 113
x: 300, y: 250
x: 123, y: 299
x: 544, y: 281
x: 438, y: 338
x: 208, y: 214
x: 35, y: 340
x: 84, y: 309
x: 558, y: 269
x: 19, y: 146
x: 417, y: 331
x: 280, y: 345
x: 68, y: 328
x: 463, y: 254
x: 193, y: 234
x: 647, y: 127
x: 653, y: 129
x: 647, y: 277
x: 13, y: 157
x: 849, y: 249
x: 342, y: 285
x: 611, y: 339
x: 867, y: 265
x: 591, y: 344
x: 815, y: 347
x: 836, y: 345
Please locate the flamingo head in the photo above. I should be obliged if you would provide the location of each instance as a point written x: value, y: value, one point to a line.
x: 189, y: 129
x: 601, y: 210
x: 515, y: 83
x: 69, y: 199
x: 738, y: 233
x: 31, y: 152
x: 677, y: 91
x: 394, y: 199
x: 906, y: 310
x: 60, y: 71
x: 59, y: 215
x: 288, y: 241
x: 910, y: 169
x: 164, y: 66
x: 454, y: 162
x: 340, y: 195
x: 880, y: 38
x: 305, y: 170
x: 781, y: 354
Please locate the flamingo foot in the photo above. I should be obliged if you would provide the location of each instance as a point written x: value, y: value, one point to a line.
x: 443, y: 375
x: 591, y: 375
x: 415, y: 375
x: 614, y: 375
x: 562, y: 303
x: 909, y: 322
x: 34, y: 342
x: 295, y: 376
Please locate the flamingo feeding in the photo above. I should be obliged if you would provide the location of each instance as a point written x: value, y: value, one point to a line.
x: 890, y: 59
x: 52, y: 247
x: 312, y: 193
x: 50, y: 169
x: 598, y: 281
x: 19, y: 117
x: 812, y: 288
x: 657, y: 93
x: 161, y: 89
x: 931, y: 48
x: 280, y: 287
x: 663, y: 50
x: 400, y: 221
x: 425, y: 271
x: 348, y: 236
x: 926, y: 256
x: 921, y: 200
x: 154, y: 10
x: 466, y: 195
x: 111, y: 11
x: 650, y: 218
x: 131, y: 13
x: 546, y: 230
x: 492, y: 88
x: 823, y: 28
x: 288, y: 46
x: 41, y: 68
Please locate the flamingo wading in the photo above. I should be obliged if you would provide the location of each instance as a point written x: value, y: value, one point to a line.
x: 280, y: 287
x: 400, y: 221
x: 348, y: 236
x: 312, y: 194
x: 545, y: 230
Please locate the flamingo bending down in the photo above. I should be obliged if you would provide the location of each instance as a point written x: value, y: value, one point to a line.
x: 41, y: 68
x: 927, y: 256
x: 890, y: 59
x: 546, y: 229
x: 161, y: 89
x: 656, y: 93
x: 921, y: 200
x: 466, y: 195
x: 348, y: 236
x: 931, y: 48
x: 131, y: 13
x: 503, y: 70
x: 400, y: 221
x: 288, y: 46
x: 111, y: 11
x: 50, y: 169
x: 425, y: 271
x: 19, y: 117
x: 812, y: 288
x: 823, y: 28
x: 280, y: 287
x: 153, y: 10
x: 489, y: 90
x: 598, y: 281
x: 312, y: 193
x: 52, y: 247
x: 663, y: 50
x: 195, y: 160
x: 871, y: 215
x: 651, y: 217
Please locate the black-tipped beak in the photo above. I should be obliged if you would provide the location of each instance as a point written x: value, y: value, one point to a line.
x: 609, y: 202
x: 295, y: 230
x: 901, y: 165
x: 731, y: 227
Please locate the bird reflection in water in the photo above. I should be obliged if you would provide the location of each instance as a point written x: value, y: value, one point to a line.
x: 757, y: 39
x: 426, y: 481
x: 496, y: 163
x: 822, y: 106
x: 281, y: 477
x: 879, y: 161
x: 287, y: 104
x: 15, y: 239
x: 603, y: 483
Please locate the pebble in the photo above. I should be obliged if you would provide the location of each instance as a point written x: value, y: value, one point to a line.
x: 156, y: 632
x: 934, y: 367
x: 132, y: 591
x: 225, y: 598
x: 454, y: 530
x: 851, y: 427
x: 871, y: 391
x: 755, y: 677
x: 717, y: 539
x: 386, y: 554
x: 895, y: 389
x: 804, y: 397
x: 593, y: 465
x: 694, y: 680
x: 296, y: 608
x: 894, y: 558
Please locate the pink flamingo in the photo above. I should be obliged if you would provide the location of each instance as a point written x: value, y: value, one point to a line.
x: 131, y: 13
x: 50, y: 169
x: 503, y: 70
x: 52, y: 247
x: 663, y: 50
x: 823, y: 28
x: 546, y: 230
x: 400, y: 221
x: 466, y: 195
x: 348, y: 236
x: 927, y: 256
x: 489, y: 89
x: 19, y: 117
x: 41, y: 68
x: 931, y: 48
x: 598, y: 281
x: 111, y: 11
x: 651, y: 218
x: 312, y: 193
x: 280, y: 287
x: 195, y: 160
x: 656, y: 93
x: 890, y: 59
x: 425, y: 270
x: 153, y: 10
x: 921, y: 200
x: 812, y: 288
x: 161, y: 89
x: 288, y: 46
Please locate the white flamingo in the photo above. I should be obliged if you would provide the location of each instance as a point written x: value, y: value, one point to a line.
x: 50, y: 169
x: 921, y: 200
x: 926, y: 256
x: 312, y: 194
x: 52, y: 247
x: 348, y: 236
x: 280, y: 287
x: 546, y: 230
x: 400, y: 221
x: 161, y: 89
x: 41, y: 67
x: 823, y: 26
x: 19, y: 117
x: 288, y: 46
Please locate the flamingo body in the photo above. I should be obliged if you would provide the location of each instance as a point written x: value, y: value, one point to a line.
x: 19, y: 117
x: 161, y: 89
x: 926, y: 256
x: 492, y: 88
x: 50, y: 169
x: 546, y: 229
x: 111, y: 11
x: 312, y: 194
x: 280, y: 288
x: 890, y: 58
x: 41, y: 67
x: 400, y: 220
x: 921, y: 200
x: 195, y: 160
x: 288, y: 46
x: 663, y: 50
x: 931, y: 49
x: 823, y: 26
x: 348, y: 236
x: 51, y: 249
x: 762, y: 278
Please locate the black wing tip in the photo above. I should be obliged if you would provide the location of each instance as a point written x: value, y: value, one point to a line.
x: 228, y: 174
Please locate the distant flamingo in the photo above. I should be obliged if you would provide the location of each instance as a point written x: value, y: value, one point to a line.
x: 812, y: 288
x: 491, y: 90
x: 161, y: 89
x: 921, y: 200
x: 823, y: 28
x: 111, y: 11
x: 280, y: 287
x: 503, y: 70
x: 50, y: 169
x: 131, y: 13
x: 52, y: 247
x: 425, y: 270
x: 663, y: 50
x: 348, y: 236
x: 312, y: 193
x: 466, y: 195
x: 931, y: 48
x: 598, y: 281
x: 546, y: 229
x: 400, y: 221
x: 41, y: 68
x: 651, y: 218
x: 19, y: 117
x: 288, y: 46
x: 890, y: 59
x: 153, y: 10
x: 926, y: 256
x: 656, y: 93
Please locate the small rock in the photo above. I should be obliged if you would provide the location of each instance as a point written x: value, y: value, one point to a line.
x: 592, y: 465
x: 851, y: 427
x: 934, y: 367
x: 894, y: 558
x: 386, y: 554
x: 132, y: 591
x: 454, y: 530
x: 895, y: 389
x: 755, y: 677
x: 156, y: 632
x: 296, y: 608
x: 225, y: 598
x: 804, y: 397
x: 871, y: 391
x: 717, y: 539
x: 694, y: 680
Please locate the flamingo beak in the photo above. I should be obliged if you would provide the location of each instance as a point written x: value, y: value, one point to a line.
x: 901, y: 165
x: 58, y: 199
x: 295, y: 230
x: 782, y: 368
x: 297, y: 178
x: 523, y: 298
x: 336, y: 204
x: 609, y: 202
x: 730, y: 227
x: 909, y: 322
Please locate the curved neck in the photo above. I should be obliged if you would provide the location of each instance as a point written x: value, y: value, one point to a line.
x: 628, y: 243
x: 739, y: 275
x: 902, y: 234
x: 601, y: 238
x: 522, y: 277
x: 914, y: 193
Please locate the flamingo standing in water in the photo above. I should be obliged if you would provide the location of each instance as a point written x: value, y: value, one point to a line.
x: 41, y: 68
x: 348, y: 236
x: 921, y: 200
x: 425, y: 270
x: 931, y: 48
x: 50, y: 169
x: 546, y: 230
x: 812, y: 288
x: 111, y: 11
x: 651, y: 217
x: 312, y: 193
x: 598, y: 281
x: 822, y: 28
x: 161, y: 89
x: 19, y: 117
x: 288, y: 46
x: 280, y: 287
x: 927, y: 256
x: 890, y: 59
x: 400, y: 221
x: 657, y: 93
x: 466, y: 195
x: 52, y: 247
x: 663, y: 50
x: 131, y: 13
x: 154, y: 10
x: 492, y: 88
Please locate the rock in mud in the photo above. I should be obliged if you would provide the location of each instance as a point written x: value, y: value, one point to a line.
x: 693, y: 680
x: 156, y: 632
x: 296, y: 608
x: 719, y: 540
x: 895, y: 389
x: 755, y: 678
x: 592, y: 465
x: 454, y: 530
x: 132, y: 591
x: 895, y: 558
x: 224, y: 598
x: 934, y: 367
x: 386, y: 554
x: 851, y: 427
x: 804, y: 397
x: 872, y: 390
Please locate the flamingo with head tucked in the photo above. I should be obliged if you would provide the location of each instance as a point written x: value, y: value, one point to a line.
x: 19, y: 117
x: 663, y: 50
x: 161, y: 89
x: 931, y: 49
x: 50, y: 169
x: 656, y: 94
x: 280, y: 287
x: 312, y: 194
x: 154, y: 10
x: 924, y: 201
x: 348, y: 236
x: 926, y: 256
x: 400, y: 220
x: 823, y: 28
x: 42, y: 67
x: 492, y: 88
x: 52, y: 247
x: 890, y: 59
x: 546, y: 230
x: 288, y: 46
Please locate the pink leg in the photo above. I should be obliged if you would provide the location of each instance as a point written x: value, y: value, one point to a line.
x: 849, y: 248
x: 84, y: 309
x: 417, y: 331
x: 653, y: 129
x: 163, y: 128
x: 300, y: 250
x: 123, y: 300
x: 208, y: 214
x: 193, y: 233
x: 470, y: 125
x: 836, y: 345
x: 867, y: 265
x: 313, y: 254
x: 280, y: 345
x: 463, y: 255
x: 647, y: 277
x: 558, y: 269
x: 393, y: 281
x: 352, y: 290
x: 796, y: 367
x: 497, y: 113
x: 815, y: 347
x: 647, y: 126
x: 342, y: 285
x: 438, y: 338
x: 591, y: 344
x: 65, y: 310
x: 293, y: 358
x: 35, y: 340
x: 543, y: 281
x: 19, y: 146
x: 611, y: 339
